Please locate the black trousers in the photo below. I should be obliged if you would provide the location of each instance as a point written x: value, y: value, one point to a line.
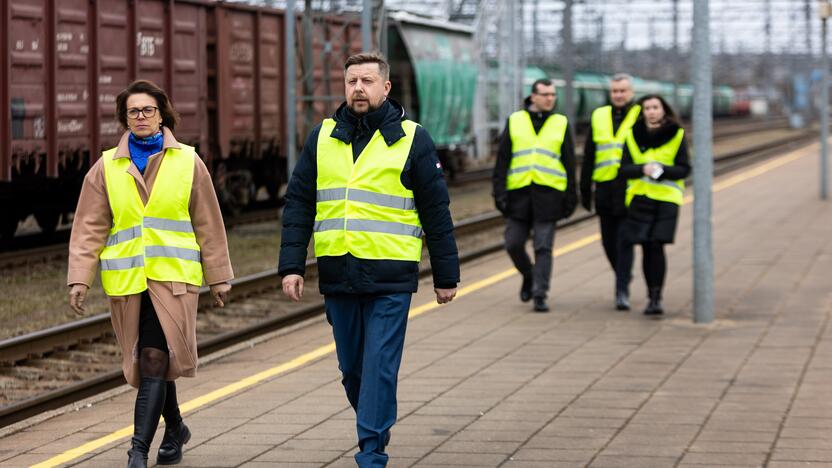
x: 543, y: 237
x: 610, y: 228
x: 654, y: 264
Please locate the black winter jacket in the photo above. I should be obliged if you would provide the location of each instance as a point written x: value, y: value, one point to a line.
x: 422, y: 174
x: 534, y: 202
x: 609, y: 196
x: 646, y: 138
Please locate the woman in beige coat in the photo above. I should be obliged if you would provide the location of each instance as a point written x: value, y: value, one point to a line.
x: 153, y: 300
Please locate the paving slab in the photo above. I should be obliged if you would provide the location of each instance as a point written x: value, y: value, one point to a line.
x: 485, y: 382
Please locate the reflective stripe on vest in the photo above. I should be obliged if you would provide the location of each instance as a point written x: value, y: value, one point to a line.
x: 362, y: 208
x: 535, y: 157
x: 608, y: 144
x: 672, y: 191
x: 156, y: 240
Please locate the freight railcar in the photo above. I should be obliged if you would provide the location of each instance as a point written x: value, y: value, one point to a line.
x: 62, y: 63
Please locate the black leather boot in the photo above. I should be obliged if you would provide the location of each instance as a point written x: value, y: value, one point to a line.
x: 526, y: 289
x: 149, y: 402
x: 540, y: 304
x: 622, y: 299
x: 177, y: 433
x: 654, y: 307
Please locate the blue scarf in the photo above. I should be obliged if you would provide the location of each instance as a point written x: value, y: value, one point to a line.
x: 141, y: 148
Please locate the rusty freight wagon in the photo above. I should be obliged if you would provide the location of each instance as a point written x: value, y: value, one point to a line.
x: 62, y: 63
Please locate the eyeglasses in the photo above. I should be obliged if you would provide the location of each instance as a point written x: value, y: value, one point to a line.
x: 147, y: 112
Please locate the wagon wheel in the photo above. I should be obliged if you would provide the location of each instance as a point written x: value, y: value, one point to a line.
x: 8, y: 226
x: 48, y: 219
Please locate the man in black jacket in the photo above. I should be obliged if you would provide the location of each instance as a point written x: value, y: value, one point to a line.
x: 602, y: 157
x: 534, y: 186
x: 368, y: 182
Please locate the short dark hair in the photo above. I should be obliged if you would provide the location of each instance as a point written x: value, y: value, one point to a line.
x: 541, y: 81
x: 669, y: 114
x: 170, y: 118
x: 370, y: 57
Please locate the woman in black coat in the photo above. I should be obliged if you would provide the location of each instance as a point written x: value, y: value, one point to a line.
x: 654, y: 163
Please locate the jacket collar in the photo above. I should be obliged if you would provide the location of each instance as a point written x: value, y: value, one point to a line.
x: 387, y: 119
x: 650, y: 138
x: 123, y: 149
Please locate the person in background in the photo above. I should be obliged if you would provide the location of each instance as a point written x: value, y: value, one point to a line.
x: 655, y: 164
x: 608, y: 129
x: 534, y: 186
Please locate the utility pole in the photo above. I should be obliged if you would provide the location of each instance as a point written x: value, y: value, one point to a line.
x: 675, y: 64
x: 291, y: 124
x: 767, y: 62
x: 536, y: 31
x: 703, y: 260
x: 568, y: 62
x: 825, y: 10
x: 367, y: 26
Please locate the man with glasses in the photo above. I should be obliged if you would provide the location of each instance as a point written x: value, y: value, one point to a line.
x: 534, y: 186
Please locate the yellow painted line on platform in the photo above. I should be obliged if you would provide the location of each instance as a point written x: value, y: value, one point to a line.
x: 329, y: 348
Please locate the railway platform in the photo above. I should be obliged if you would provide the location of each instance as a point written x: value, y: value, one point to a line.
x: 486, y: 382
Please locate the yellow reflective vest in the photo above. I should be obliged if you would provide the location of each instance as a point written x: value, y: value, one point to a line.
x: 609, y: 144
x: 672, y: 191
x: 362, y: 208
x: 154, y: 241
x: 535, y: 157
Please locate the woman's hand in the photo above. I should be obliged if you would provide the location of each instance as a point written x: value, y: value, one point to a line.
x: 220, y: 292
x: 77, y: 294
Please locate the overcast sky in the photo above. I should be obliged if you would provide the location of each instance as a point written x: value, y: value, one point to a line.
x: 737, y: 25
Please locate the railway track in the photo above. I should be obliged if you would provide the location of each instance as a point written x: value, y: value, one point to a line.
x: 38, y: 248
x: 63, y: 364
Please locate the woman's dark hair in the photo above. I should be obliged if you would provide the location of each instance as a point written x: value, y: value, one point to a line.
x: 669, y: 114
x: 170, y: 118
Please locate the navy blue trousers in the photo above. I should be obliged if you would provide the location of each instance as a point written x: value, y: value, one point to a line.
x: 369, y: 338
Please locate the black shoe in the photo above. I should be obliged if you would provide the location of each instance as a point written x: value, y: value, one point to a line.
x: 526, y: 289
x: 540, y: 304
x: 149, y: 402
x: 622, y: 300
x: 135, y: 459
x: 170, y: 451
x: 177, y: 433
x: 654, y: 307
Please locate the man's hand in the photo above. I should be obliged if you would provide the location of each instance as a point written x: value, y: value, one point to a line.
x: 293, y: 287
x: 77, y: 294
x: 501, y: 202
x: 443, y: 296
x: 220, y: 292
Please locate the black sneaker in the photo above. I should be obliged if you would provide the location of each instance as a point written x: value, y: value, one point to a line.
x: 526, y: 289
x: 540, y: 304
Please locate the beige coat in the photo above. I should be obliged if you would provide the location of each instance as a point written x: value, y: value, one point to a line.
x: 175, y: 303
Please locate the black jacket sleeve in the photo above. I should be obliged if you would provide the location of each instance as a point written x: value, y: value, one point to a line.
x: 628, y: 170
x: 568, y: 158
x: 587, y: 167
x: 681, y: 164
x: 423, y: 175
x: 299, y: 212
x: 501, y: 168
